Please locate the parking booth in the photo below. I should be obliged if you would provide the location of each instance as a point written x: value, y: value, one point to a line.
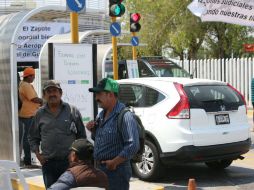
x: 14, y: 56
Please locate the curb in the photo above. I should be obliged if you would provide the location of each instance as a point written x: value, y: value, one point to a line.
x: 32, y: 184
x: 36, y: 183
x: 159, y: 188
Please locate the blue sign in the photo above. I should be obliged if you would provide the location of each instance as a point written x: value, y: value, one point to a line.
x: 115, y: 29
x: 134, y: 41
x: 76, y: 5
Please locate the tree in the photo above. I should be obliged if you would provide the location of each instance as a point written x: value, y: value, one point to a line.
x: 169, y: 24
x: 224, y: 40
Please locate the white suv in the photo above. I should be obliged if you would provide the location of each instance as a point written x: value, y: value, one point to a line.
x: 187, y: 120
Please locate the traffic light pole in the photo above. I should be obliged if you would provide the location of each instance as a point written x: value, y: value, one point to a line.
x: 114, y: 48
x: 74, y: 28
x: 134, y: 49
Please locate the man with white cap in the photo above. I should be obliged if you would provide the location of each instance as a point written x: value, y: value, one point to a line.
x: 30, y: 104
x: 55, y: 127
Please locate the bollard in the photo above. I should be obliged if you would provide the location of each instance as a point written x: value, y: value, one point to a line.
x: 192, y: 184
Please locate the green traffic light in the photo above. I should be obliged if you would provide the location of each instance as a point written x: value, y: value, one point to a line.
x: 116, y: 9
x: 122, y: 7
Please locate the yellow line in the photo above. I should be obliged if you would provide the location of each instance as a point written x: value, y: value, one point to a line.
x: 250, y: 113
x: 159, y: 188
x: 32, y: 186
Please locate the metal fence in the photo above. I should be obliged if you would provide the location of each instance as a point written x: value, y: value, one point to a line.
x: 236, y: 71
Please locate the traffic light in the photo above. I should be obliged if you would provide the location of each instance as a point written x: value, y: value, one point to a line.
x: 134, y: 19
x: 116, y: 8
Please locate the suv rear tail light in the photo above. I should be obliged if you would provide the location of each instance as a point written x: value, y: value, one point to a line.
x: 182, y: 109
x: 240, y: 95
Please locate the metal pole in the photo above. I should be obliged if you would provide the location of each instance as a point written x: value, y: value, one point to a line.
x: 74, y: 28
x: 114, y: 47
x: 134, y: 49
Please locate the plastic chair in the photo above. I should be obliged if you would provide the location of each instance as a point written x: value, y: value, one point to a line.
x: 6, y: 167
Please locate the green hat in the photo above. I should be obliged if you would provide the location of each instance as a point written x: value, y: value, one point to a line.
x: 106, y: 84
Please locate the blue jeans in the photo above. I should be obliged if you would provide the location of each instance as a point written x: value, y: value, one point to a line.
x: 118, y: 179
x: 24, y: 126
x: 52, y: 170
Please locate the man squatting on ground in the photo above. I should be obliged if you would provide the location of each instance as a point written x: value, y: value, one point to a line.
x: 55, y: 127
x: 81, y: 172
x: 113, y: 149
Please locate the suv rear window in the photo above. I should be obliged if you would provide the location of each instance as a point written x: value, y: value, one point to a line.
x: 213, y: 98
x: 166, y: 68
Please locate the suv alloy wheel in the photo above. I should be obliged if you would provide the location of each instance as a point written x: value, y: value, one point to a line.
x: 150, y: 167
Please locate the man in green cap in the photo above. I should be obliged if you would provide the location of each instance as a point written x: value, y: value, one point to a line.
x: 113, y: 149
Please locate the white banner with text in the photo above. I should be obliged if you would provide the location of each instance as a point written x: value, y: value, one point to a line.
x: 32, y: 37
x: 239, y: 12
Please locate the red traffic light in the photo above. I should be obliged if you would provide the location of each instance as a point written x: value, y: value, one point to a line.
x: 135, y: 17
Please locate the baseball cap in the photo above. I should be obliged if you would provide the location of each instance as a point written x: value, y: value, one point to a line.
x: 83, y: 148
x: 106, y: 84
x: 28, y: 71
x: 51, y: 83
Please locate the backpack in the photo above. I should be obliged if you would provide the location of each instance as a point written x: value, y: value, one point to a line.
x: 141, y: 130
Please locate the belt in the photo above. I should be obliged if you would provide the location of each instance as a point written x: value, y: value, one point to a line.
x: 98, y: 163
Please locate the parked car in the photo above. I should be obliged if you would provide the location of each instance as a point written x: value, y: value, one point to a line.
x: 149, y: 67
x: 187, y: 120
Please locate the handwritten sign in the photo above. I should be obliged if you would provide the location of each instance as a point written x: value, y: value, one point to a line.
x: 73, y: 68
